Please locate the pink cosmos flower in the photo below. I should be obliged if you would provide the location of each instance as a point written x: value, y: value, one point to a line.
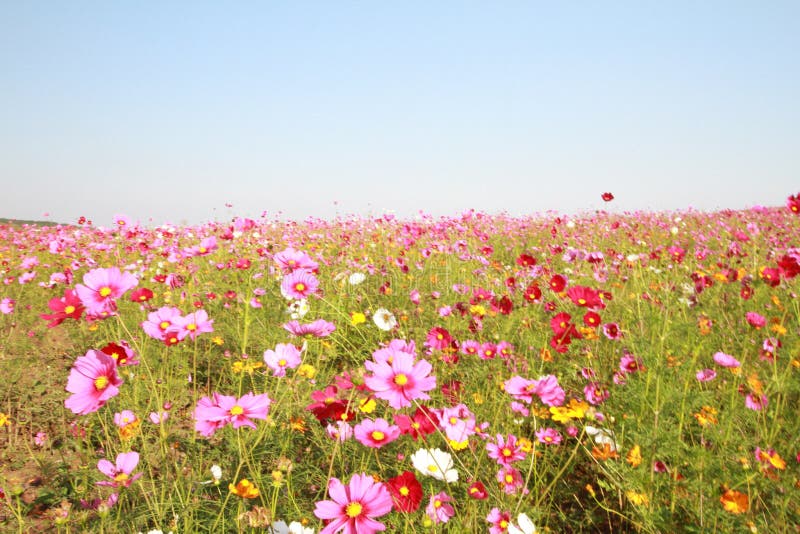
x: 291, y: 260
x: 548, y: 390
x: 457, y: 422
x: 7, y: 305
x: 124, y: 418
x: 726, y: 360
x: 548, y: 436
x: 469, y: 347
x: 161, y: 322
x: 401, y: 380
x: 498, y: 521
x: 755, y: 402
x: 612, y: 331
x: 352, y: 508
x: 376, y: 433
x: 120, y: 474
x: 756, y: 320
x: 285, y: 356
x: 439, y: 509
x: 194, y: 324
x: 595, y: 393
x: 339, y: 430
x: 92, y: 381
x: 213, y: 413
x: 706, y: 375
x: 299, y: 285
x: 520, y: 388
x: 510, y: 479
x: 318, y: 328
x: 101, y: 288
x: 505, y: 451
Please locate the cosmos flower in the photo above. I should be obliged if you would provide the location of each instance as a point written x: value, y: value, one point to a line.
x: 352, y: 508
x: 285, y: 356
x: 439, y: 508
x: 406, y: 492
x: 92, y: 381
x: 401, y: 381
x: 376, y: 433
x: 101, y: 288
x: 384, y: 319
x: 120, y: 472
x: 299, y: 285
x: 435, y: 463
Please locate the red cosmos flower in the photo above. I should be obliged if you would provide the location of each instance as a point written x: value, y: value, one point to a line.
x: 608, y: 197
x: 585, y: 297
x: 789, y: 264
x: 406, y: 492
x: 67, y: 307
x: 438, y: 338
x: 142, y: 294
x: 532, y: 292
x: 477, y: 491
x: 793, y: 203
x: 502, y: 305
x: 328, y: 406
x: 592, y: 319
x: 422, y: 423
x: 558, y: 282
x: 526, y: 260
x: 771, y: 276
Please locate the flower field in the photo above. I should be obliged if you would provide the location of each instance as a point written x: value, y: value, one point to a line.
x: 634, y: 372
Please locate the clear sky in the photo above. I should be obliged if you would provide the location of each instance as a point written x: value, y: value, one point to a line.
x: 168, y: 110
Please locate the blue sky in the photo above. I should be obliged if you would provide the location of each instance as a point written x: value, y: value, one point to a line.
x: 166, y: 111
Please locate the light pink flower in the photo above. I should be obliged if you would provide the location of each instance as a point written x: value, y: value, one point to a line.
x: 299, y: 285
x: 548, y: 436
x: 194, y: 324
x: 706, y: 375
x: 92, y: 381
x: 726, y: 360
x: 505, y: 451
x: 161, y: 322
x: 285, y: 356
x: 7, y: 305
x: 318, y: 328
x: 120, y: 474
x: 291, y: 260
x: 352, y: 508
x: 439, y: 509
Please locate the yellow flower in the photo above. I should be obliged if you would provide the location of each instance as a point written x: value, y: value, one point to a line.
x: 298, y: 424
x: 458, y: 445
x: 4, y: 420
x: 634, y: 456
x: 357, y: 318
x: 637, y: 497
x: 477, y: 309
x: 706, y: 416
x: 367, y: 405
x: 306, y: 371
x: 244, y: 489
x: 216, y: 340
x: 576, y: 409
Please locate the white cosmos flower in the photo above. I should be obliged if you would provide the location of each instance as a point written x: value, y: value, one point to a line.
x: 356, y: 278
x: 295, y: 527
x: 435, y: 463
x: 526, y: 526
x: 384, y: 319
x: 298, y: 309
x: 601, y: 436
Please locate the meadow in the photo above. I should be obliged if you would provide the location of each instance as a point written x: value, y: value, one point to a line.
x: 600, y: 372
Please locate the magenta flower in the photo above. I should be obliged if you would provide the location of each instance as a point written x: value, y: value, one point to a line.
x: 505, y: 451
x: 285, y: 356
x: 726, y: 360
x: 101, y: 288
x: 376, y: 433
x: 400, y: 381
x: 756, y: 320
x: 498, y: 521
x: 120, y: 474
x: 595, y: 393
x: 510, y: 479
x: 209, y: 416
x: 298, y: 285
x: 549, y: 392
x: 755, y: 402
x: 520, y: 388
x: 352, y: 508
x: 92, y: 381
x: 291, y: 260
x: 439, y: 509
x: 548, y: 436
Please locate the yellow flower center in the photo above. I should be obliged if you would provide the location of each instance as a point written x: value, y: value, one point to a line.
x: 401, y: 379
x: 503, y: 524
x: 300, y: 286
x: 121, y: 477
x: 203, y: 250
x: 69, y: 309
x: 163, y: 325
x: 237, y: 410
x: 281, y: 362
x: 509, y: 479
x: 432, y: 468
x: 581, y: 301
x: 377, y: 435
x: 105, y: 291
x: 353, y: 509
x: 101, y: 382
x: 506, y: 452
x: 404, y: 491
x: 437, y: 503
x: 191, y: 327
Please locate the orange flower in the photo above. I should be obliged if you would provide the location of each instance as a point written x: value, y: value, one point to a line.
x: 604, y: 453
x: 244, y: 489
x: 735, y: 502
